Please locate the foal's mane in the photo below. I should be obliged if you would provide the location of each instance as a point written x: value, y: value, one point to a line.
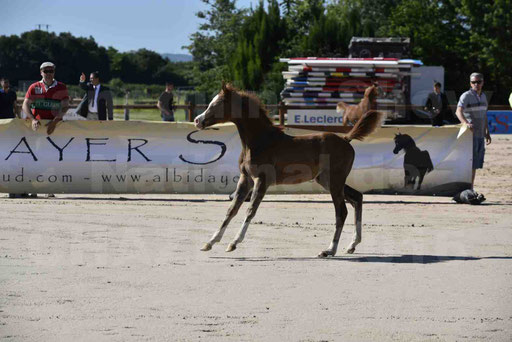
x: 251, y: 98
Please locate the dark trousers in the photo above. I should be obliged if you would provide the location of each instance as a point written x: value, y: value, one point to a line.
x: 437, y: 120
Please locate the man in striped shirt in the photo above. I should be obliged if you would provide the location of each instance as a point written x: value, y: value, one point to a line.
x: 472, y: 111
x: 47, y: 99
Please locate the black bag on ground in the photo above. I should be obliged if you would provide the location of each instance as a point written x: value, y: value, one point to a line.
x: 469, y: 197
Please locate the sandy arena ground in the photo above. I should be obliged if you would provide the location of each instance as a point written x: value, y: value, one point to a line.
x: 105, y: 268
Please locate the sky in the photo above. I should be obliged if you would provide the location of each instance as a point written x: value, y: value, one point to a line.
x: 163, y: 26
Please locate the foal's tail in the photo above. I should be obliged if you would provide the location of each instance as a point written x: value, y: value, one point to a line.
x: 365, y: 126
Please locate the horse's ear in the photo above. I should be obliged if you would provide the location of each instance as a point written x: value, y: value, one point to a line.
x: 226, y: 87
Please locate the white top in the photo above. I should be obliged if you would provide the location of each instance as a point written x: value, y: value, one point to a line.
x: 93, y: 105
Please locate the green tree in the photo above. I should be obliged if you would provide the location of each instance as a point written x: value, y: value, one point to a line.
x: 489, y: 26
x: 258, y: 46
x: 463, y: 36
x: 20, y: 57
x: 173, y: 72
x: 327, y: 37
x: 301, y: 16
x: 215, y: 42
x: 145, y: 66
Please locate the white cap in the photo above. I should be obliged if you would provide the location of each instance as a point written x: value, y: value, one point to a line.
x: 47, y: 64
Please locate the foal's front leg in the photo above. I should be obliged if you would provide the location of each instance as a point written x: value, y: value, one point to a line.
x: 345, y: 120
x: 259, y: 190
x: 242, y: 190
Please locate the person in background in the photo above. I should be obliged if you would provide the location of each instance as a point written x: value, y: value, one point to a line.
x: 7, y: 100
x: 8, y: 110
x: 47, y: 99
x: 165, y: 103
x: 437, y: 105
x: 97, y: 103
x: 472, y: 112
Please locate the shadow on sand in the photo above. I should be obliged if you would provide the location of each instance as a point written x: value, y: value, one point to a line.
x: 139, y: 199
x: 395, y: 259
x: 280, y: 200
x: 204, y: 200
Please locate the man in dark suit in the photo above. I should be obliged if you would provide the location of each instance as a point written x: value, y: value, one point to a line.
x: 97, y: 103
x: 437, y: 105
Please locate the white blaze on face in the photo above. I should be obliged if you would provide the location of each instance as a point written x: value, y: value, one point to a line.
x: 200, y: 118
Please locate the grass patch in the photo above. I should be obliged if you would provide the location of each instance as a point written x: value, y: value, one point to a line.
x: 148, y: 115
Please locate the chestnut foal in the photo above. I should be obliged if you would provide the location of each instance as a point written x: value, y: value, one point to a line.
x: 271, y: 157
x: 352, y: 113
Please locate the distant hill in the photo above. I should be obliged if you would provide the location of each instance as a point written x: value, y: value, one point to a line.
x: 177, y: 57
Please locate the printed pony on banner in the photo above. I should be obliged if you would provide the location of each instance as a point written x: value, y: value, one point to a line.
x: 271, y: 157
x: 417, y: 163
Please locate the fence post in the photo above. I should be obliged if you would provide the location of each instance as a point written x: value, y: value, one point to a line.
x: 191, y: 110
x: 282, y: 111
x: 126, y: 109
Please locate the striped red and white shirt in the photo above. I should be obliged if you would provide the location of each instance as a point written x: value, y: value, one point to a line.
x: 46, y: 100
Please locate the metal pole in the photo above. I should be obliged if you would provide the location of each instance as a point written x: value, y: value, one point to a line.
x: 191, y: 110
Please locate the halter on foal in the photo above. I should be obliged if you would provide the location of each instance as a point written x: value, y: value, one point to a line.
x: 352, y: 113
x: 270, y: 157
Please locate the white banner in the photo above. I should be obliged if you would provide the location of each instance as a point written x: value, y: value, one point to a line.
x: 157, y: 157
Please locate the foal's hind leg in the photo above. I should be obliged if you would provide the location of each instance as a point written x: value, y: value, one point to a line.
x: 355, y: 198
x: 242, y: 190
x: 260, y: 187
x: 340, y: 207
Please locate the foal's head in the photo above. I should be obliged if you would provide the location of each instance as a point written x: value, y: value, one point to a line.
x: 403, y: 141
x: 232, y: 105
x: 373, y: 91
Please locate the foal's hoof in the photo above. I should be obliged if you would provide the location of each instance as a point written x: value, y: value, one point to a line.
x: 231, y: 247
x: 207, y: 246
x: 351, y: 250
x: 325, y: 254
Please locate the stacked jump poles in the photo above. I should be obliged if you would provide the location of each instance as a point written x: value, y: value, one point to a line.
x: 323, y: 82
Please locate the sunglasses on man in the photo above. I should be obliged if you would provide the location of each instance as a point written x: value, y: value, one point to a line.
x: 49, y: 71
x: 476, y: 82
